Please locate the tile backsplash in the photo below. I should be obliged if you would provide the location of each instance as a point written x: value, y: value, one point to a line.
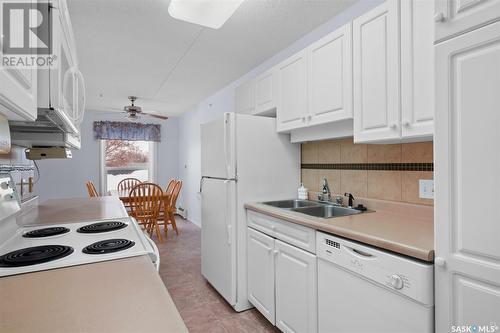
x: 17, y: 158
x: 365, y: 170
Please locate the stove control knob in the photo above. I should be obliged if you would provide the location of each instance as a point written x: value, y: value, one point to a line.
x: 397, y: 282
x: 4, y: 185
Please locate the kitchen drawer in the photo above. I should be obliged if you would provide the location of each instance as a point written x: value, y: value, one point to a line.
x: 289, y: 232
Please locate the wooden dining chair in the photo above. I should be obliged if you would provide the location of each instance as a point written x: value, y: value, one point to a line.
x: 169, y: 206
x: 166, y: 202
x: 127, y: 184
x: 91, y: 189
x: 146, y: 201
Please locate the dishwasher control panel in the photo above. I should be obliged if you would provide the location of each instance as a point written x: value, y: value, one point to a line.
x: 400, y: 274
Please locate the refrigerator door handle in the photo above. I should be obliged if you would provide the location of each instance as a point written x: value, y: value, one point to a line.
x: 201, y: 183
x: 228, y: 212
x: 217, y: 178
x: 226, y: 144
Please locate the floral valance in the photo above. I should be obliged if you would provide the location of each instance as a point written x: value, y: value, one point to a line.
x: 116, y: 130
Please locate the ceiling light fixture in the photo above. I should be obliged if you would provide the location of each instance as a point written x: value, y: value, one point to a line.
x: 208, y: 13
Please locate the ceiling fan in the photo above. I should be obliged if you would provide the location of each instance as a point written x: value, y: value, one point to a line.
x: 134, y: 111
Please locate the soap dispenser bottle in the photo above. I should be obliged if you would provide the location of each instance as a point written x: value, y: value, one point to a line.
x: 302, y: 192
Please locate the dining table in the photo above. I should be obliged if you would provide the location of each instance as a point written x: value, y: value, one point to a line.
x: 124, y: 195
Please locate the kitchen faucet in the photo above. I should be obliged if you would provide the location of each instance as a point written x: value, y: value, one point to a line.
x: 325, y: 192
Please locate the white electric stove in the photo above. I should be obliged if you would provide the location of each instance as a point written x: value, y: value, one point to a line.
x: 37, y: 248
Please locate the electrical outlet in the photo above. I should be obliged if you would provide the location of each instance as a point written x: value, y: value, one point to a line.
x: 426, y: 188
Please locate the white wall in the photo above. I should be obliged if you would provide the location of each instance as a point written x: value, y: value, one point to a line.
x: 224, y: 101
x: 66, y: 178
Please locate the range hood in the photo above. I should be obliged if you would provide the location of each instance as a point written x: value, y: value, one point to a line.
x: 52, y: 128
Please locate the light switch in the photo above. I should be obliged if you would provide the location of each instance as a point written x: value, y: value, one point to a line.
x: 426, y: 188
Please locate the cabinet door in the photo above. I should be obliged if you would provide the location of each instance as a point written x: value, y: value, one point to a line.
x: 467, y: 161
x: 453, y: 17
x: 417, y: 69
x: 260, y: 270
x: 376, y: 74
x: 296, y: 289
x: 18, y: 89
x: 245, y: 98
x: 330, y: 77
x: 292, y: 85
x: 265, y: 93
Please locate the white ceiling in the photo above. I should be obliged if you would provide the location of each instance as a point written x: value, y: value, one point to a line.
x: 134, y: 47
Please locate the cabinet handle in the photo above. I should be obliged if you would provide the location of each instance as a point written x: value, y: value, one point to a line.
x: 439, y: 17
x: 309, y: 117
x: 276, y: 252
x: 440, y: 262
x: 303, y: 119
x: 406, y: 123
x: 394, y: 126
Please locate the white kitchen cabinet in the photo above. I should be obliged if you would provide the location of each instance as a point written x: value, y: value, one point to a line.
x: 245, y: 98
x: 62, y: 86
x: 376, y: 74
x: 393, y: 56
x: 330, y: 77
x: 260, y: 264
x: 296, y: 289
x: 282, y: 277
x: 417, y: 70
x: 18, y: 93
x: 266, y: 93
x: 18, y: 90
x: 467, y: 160
x: 292, y: 86
x: 294, y: 234
x: 454, y: 17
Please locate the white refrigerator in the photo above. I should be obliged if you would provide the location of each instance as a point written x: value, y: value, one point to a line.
x: 243, y: 159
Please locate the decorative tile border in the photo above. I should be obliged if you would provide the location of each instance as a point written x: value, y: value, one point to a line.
x: 372, y: 166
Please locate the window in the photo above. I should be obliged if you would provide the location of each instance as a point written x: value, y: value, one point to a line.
x: 122, y: 159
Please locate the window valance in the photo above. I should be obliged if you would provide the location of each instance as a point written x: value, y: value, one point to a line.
x: 116, y: 130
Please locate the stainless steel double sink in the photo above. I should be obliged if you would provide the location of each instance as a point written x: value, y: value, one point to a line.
x: 313, y: 208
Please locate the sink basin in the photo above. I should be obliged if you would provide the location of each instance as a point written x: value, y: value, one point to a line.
x: 327, y: 211
x: 291, y: 204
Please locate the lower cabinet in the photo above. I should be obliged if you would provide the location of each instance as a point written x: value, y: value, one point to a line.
x: 296, y: 289
x: 260, y: 270
x: 282, y: 283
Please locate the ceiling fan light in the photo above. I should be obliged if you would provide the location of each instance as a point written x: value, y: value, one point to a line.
x: 208, y: 13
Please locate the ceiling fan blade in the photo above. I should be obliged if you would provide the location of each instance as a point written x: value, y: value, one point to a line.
x: 155, y: 116
x: 111, y: 112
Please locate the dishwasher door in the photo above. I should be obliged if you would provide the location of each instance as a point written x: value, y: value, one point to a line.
x: 369, y: 290
x: 350, y: 303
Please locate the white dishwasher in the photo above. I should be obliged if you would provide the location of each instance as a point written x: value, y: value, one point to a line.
x: 363, y: 289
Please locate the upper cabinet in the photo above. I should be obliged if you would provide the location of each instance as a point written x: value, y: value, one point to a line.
x: 266, y: 93
x: 315, y: 85
x: 245, y: 98
x: 18, y: 93
x: 292, y: 101
x: 62, y: 87
x: 372, y: 78
x: 258, y: 96
x: 376, y: 74
x: 454, y: 17
x: 417, y: 69
x: 330, y: 77
x: 394, y: 72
